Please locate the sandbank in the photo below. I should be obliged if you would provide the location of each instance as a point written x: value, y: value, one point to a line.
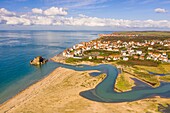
x: 59, y: 93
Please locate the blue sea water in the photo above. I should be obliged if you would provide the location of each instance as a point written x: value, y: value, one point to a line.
x: 17, y: 48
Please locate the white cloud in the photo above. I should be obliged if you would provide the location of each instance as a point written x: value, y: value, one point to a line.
x: 53, y: 17
x: 41, y: 20
x: 3, y: 11
x: 117, y: 23
x: 37, y: 11
x: 16, y: 20
x: 55, y: 11
x: 160, y: 10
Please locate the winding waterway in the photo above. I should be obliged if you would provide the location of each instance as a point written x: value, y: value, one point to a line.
x: 104, y: 92
x: 17, y: 48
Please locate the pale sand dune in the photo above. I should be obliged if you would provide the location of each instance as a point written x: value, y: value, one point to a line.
x: 59, y: 93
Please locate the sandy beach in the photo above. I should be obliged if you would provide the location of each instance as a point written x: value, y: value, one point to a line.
x: 59, y: 93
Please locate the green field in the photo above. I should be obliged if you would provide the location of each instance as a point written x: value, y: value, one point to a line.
x: 123, y: 82
x: 138, y: 62
x: 142, y: 72
x: 96, y: 52
x: 146, y: 33
x: 141, y: 36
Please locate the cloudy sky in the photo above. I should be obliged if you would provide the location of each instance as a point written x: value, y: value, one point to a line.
x: 85, y: 14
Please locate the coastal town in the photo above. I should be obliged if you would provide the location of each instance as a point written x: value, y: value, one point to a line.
x: 84, y: 56
x: 134, y: 63
x: 152, y: 50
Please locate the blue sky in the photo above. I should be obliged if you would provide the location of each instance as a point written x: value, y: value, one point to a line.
x: 85, y: 14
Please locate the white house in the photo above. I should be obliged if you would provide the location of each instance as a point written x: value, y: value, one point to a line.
x: 64, y: 53
x: 90, y: 57
x: 123, y: 54
x: 138, y: 52
x: 74, y: 47
x: 70, y: 55
x: 108, y: 58
x: 116, y: 49
x: 152, y: 43
x: 109, y: 49
x: 164, y: 53
x: 125, y: 58
x: 150, y: 48
x: 165, y: 59
x: 88, y: 48
x: 148, y: 58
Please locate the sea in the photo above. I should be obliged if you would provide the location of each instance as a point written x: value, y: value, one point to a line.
x: 17, y: 48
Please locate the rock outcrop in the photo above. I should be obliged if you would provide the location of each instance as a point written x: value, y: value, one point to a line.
x: 39, y: 60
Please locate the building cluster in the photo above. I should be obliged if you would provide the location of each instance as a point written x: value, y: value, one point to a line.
x: 121, y: 50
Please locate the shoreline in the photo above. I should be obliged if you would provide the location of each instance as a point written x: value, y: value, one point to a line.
x: 28, y: 87
x: 45, y: 77
x: 39, y: 84
x: 24, y: 98
x: 25, y: 95
x: 60, y: 58
x: 58, y: 81
x: 60, y: 76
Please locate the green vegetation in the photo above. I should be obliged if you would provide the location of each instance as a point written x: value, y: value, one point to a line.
x: 146, y: 33
x: 160, y: 47
x: 91, y: 82
x: 142, y: 72
x: 168, y: 55
x: 161, y: 68
x: 138, y: 62
x: 73, y: 60
x: 138, y: 39
x: 100, y: 52
x: 164, y: 108
x: 124, y: 83
x: 151, y: 79
x: 165, y: 78
x: 137, y: 68
x: 141, y: 36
